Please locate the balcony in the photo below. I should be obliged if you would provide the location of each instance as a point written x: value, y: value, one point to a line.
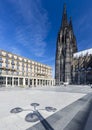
x: 7, y: 68
x: 40, y: 74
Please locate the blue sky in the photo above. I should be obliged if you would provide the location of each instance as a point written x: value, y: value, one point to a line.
x: 29, y: 27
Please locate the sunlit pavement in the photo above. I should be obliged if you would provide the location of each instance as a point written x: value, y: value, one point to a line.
x: 56, y: 97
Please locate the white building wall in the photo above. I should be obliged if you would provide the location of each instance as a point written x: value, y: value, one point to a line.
x: 15, y: 68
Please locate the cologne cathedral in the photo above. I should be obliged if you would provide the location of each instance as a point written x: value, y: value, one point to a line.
x: 71, y: 66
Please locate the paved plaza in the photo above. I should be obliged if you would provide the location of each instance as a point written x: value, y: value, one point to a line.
x: 58, y: 97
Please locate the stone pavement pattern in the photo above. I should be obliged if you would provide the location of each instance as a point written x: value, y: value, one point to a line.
x: 55, y: 97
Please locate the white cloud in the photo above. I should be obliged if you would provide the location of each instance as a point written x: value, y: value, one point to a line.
x: 33, y: 35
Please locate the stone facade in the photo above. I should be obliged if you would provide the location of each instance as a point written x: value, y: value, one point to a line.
x: 71, y: 66
x: 82, y: 67
x: 65, y: 48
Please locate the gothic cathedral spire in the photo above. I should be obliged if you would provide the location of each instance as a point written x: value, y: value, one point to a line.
x: 66, y: 46
x: 70, y: 24
x: 64, y: 17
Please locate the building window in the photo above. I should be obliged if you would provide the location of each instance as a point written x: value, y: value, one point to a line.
x: 30, y: 81
x: 9, y: 81
x: 15, y: 81
x: 6, y: 65
x: 21, y: 81
x: 18, y: 68
x: 17, y: 73
x: 26, y: 81
x: 7, y: 61
x: 2, y: 80
x: 12, y: 66
x: 38, y: 81
x: 12, y: 62
x: 34, y: 82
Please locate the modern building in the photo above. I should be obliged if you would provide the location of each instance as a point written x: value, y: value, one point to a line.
x: 65, y: 48
x: 19, y: 71
x: 71, y: 66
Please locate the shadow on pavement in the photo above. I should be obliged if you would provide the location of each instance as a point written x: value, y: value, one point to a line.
x: 35, y: 115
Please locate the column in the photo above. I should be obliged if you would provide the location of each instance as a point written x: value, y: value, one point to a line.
x: 23, y: 81
x: 32, y: 82
x: 18, y: 82
x: 53, y: 82
x: 28, y: 82
x: 36, y: 83
x: 50, y: 82
x: 42, y: 82
x: 39, y: 82
x: 12, y: 81
x: 6, y: 81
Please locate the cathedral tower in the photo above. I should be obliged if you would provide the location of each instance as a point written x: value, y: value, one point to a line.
x: 65, y: 47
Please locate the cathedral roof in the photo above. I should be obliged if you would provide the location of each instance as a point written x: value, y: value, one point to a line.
x: 82, y: 53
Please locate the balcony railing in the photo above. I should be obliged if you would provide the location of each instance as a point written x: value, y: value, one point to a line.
x: 8, y: 69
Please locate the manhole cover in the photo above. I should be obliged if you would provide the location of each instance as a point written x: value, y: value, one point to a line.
x: 16, y: 110
x: 31, y: 117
